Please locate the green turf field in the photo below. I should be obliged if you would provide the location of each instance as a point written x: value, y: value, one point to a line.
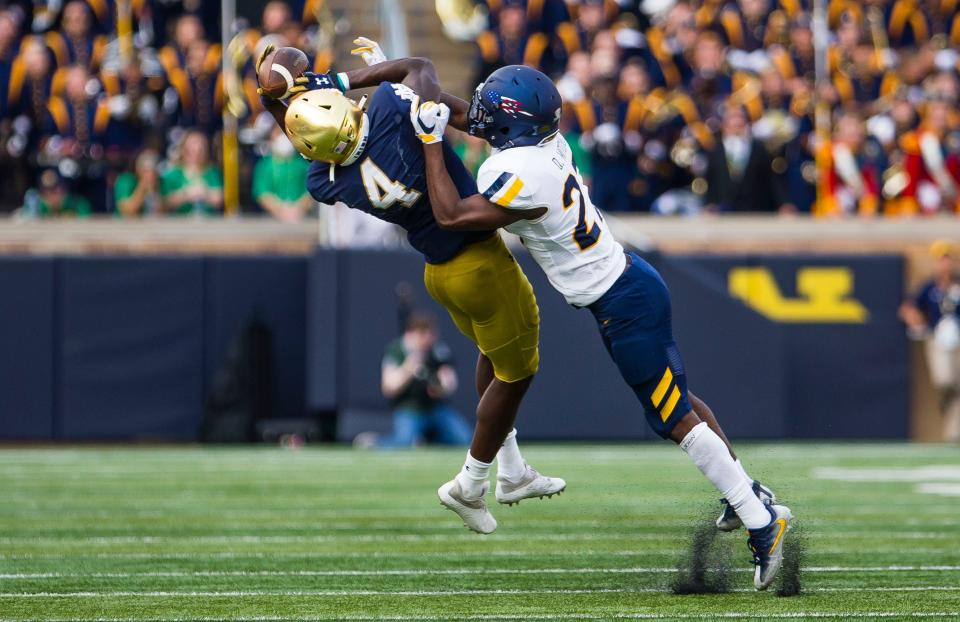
x: 320, y: 534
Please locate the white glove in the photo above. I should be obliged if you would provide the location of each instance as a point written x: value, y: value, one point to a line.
x: 369, y: 50
x: 429, y: 121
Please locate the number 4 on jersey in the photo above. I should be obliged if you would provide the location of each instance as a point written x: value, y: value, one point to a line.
x: 583, y: 234
x: 382, y: 191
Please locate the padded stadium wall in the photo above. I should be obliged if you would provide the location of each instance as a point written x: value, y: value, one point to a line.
x: 124, y: 348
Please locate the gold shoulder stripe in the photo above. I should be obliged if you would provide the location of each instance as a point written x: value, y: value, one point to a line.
x: 511, y: 193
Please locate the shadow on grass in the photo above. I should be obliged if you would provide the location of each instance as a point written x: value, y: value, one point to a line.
x: 794, y: 550
x: 708, y: 566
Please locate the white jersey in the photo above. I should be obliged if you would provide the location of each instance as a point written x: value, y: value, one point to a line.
x: 570, y: 241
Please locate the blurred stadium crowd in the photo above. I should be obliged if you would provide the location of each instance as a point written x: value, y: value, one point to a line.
x: 673, y: 106
x: 682, y: 106
x: 123, y: 116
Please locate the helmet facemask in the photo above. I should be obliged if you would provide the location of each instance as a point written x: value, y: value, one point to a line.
x: 479, y: 118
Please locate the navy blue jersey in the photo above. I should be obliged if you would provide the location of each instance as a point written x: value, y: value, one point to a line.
x: 935, y: 302
x: 389, y: 180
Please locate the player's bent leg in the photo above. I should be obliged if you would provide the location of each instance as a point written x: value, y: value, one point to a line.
x: 728, y: 519
x: 766, y: 524
x: 465, y: 493
x: 710, y: 455
x: 484, y: 373
x: 516, y: 480
x: 706, y: 414
x: 496, y: 414
x: 485, y: 285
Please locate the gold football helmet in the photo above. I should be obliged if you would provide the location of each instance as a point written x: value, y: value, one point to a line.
x: 326, y: 125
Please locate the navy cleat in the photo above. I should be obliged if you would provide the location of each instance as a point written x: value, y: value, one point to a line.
x: 729, y: 521
x: 767, y: 546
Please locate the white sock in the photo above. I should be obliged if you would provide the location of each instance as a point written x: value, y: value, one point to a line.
x: 510, y: 464
x: 472, y: 476
x: 712, y: 457
x: 743, y: 471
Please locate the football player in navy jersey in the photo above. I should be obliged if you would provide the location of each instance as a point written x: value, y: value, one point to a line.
x: 372, y: 160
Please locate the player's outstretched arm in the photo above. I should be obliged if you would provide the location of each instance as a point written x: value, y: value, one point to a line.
x: 371, y: 54
x: 420, y: 75
x: 417, y: 73
x: 473, y: 213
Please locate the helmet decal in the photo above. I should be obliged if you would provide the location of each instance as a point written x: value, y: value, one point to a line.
x: 512, y: 107
x: 515, y: 106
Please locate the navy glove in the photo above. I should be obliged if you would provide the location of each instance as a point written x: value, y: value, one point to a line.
x: 310, y: 81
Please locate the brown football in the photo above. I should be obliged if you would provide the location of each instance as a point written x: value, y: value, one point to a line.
x: 279, y: 69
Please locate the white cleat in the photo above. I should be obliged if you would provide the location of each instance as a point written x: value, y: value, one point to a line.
x: 531, y: 485
x: 474, y: 512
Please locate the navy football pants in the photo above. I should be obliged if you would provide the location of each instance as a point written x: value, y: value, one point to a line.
x: 634, y: 318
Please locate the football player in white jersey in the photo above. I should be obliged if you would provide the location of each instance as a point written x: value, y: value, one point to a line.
x: 531, y: 187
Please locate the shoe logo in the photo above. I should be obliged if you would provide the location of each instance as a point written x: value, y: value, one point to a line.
x: 782, y: 522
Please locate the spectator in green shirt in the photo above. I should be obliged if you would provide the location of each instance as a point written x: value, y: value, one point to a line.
x: 280, y: 181
x: 53, y: 200
x: 418, y: 377
x: 137, y: 192
x: 192, y: 185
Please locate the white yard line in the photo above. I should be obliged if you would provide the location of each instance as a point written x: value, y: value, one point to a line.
x: 419, y: 593
x: 417, y: 572
x: 458, y: 534
x: 553, y: 616
x: 927, y: 473
x: 457, y: 555
x: 945, y: 489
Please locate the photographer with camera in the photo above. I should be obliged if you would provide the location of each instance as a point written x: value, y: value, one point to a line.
x: 418, y: 377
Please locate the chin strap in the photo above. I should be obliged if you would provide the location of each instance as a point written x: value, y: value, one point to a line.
x: 510, y: 144
x: 547, y: 139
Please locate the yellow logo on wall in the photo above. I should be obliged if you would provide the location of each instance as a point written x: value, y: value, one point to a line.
x: 824, y: 295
